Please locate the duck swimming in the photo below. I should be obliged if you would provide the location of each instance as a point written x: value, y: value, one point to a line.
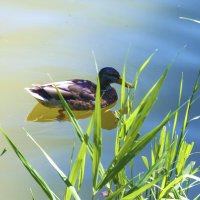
x: 80, y: 94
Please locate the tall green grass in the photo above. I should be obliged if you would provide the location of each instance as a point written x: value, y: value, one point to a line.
x: 168, y: 173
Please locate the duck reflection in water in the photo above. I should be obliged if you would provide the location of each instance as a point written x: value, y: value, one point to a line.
x: 42, y: 113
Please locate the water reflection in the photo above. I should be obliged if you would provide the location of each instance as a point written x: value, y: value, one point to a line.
x: 42, y: 113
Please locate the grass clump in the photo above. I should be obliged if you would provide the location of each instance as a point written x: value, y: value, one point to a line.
x: 168, y: 175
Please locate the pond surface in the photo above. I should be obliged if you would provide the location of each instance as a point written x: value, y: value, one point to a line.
x: 58, y: 37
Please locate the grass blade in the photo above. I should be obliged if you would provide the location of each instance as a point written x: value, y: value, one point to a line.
x: 183, y: 155
x: 148, y: 175
x: 115, y: 194
x: 161, y: 144
x: 79, y: 164
x: 71, y: 158
x: 83, y: 155
x: 32, y: 195
x: 143, y: 66
x: 190, y: 19
x: 4, y: 151
x: 58, y: 170
x: 145, y: 160
x: 97, y: 136
x: 139, y: 115
x: 30, y: 169
x: 179, y: 103
x: 80, y: 160
x: 138, y: 192
x: 175, y: 182
x: 186, y: 121
x: 123, y: 92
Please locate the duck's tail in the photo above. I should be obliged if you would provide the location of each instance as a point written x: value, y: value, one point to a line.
x: 39, y: 93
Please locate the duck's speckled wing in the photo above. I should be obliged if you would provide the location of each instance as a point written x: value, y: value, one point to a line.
x: 80, y: 94
x: 73, y: 89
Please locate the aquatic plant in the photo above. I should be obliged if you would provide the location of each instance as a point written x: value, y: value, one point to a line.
x: 168, y: 173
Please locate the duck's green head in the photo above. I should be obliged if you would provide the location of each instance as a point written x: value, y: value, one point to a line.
x: 108, y: 75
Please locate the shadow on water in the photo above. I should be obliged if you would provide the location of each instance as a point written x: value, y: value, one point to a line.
x: 42, y: 113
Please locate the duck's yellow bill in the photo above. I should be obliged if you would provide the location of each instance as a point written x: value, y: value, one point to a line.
x: 127, y: 84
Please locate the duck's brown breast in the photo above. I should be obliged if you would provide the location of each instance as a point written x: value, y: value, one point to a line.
x: 108, y: 97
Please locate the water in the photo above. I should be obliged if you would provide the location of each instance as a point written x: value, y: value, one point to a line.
x: 58, y: 37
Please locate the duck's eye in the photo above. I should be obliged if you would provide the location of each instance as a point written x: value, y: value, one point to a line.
x: 116, y: 75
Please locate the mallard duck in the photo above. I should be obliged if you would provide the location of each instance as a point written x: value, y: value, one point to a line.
x: 80, y: 94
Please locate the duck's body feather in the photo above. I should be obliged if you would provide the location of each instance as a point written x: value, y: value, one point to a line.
x: 79, y: 94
